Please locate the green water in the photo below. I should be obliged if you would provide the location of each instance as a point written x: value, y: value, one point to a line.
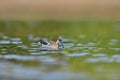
x: 92, y: 50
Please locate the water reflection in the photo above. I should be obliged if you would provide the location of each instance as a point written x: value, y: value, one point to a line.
x: 84, y: 57
x: 103, y: 58
x: 78, y: 54
x: 99, y: 55
x: 4, y: 42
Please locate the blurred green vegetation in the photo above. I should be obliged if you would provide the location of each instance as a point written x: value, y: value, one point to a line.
x: 90, y: 29
x: 99, y: 32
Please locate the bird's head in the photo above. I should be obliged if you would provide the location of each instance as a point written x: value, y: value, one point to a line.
x: 60, y: 41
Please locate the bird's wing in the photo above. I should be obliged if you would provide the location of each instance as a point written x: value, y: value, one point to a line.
x: 43, y: 42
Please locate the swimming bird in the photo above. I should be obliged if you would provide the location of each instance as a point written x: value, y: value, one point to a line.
x: 52, y: 45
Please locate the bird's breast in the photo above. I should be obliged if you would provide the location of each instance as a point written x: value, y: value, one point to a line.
x: 55, y: 44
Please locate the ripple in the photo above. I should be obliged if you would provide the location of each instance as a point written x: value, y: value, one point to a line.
x: 101, y: 59
x: 78, y: 54
x: 113, y: 41
x: 67, y: 40
x: 116, y: 57
x: 23, y: 47
x: 16, y: 42
x: 45, y: 59
x: 69, y: 45
x: 80, y: 45
x: 18, y: 57
x: 116, y: 49
x: 34, y: 44
x: 3, y: 50
x: 4, y: 42
x: 91, y: 44
x: 15, y: 39
x: 99, y: 55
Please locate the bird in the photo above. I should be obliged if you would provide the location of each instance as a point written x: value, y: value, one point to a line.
x: 52, y: 45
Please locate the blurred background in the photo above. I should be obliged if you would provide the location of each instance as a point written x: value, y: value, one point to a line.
x: 90, y: 31
x: 59, y: 9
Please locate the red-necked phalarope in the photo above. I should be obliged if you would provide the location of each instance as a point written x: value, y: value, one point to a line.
x: 56, y: 45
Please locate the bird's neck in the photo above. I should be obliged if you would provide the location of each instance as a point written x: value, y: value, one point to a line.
x: 57, y: 41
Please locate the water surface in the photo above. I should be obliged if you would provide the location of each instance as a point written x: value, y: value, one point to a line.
x: 92, y: 50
